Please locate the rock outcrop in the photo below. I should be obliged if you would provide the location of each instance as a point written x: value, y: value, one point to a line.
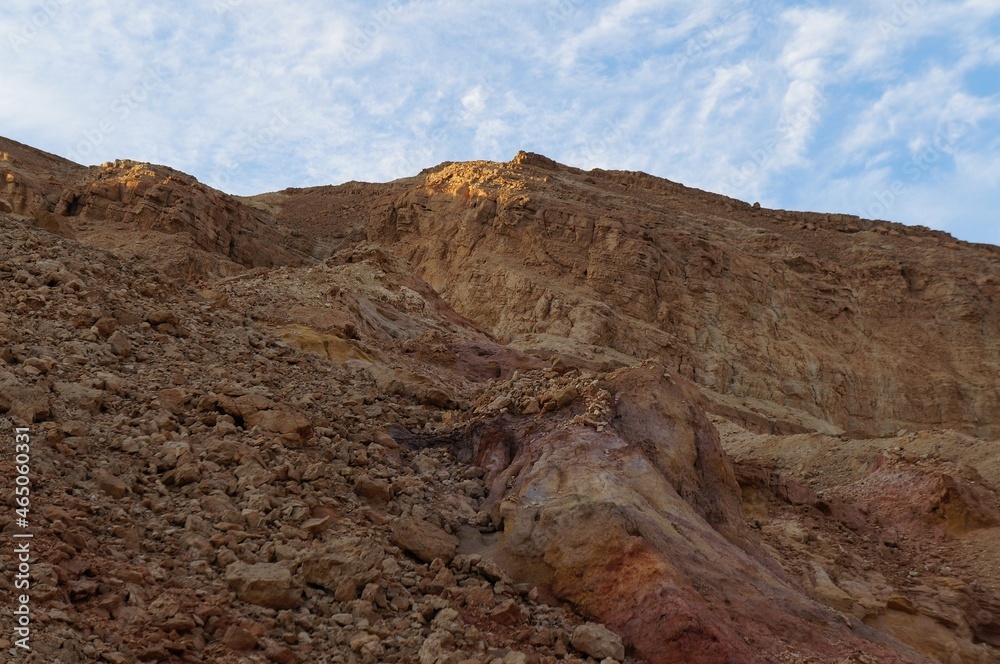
x: 153, y: 213
x: 634, y: 519
x: 794, y: 321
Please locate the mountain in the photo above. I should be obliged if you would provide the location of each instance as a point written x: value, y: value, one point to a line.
x: 494, y: 412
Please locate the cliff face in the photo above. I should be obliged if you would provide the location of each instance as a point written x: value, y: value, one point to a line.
x: 456, y: 417
x: 154, y: 213
x: 867, y: 326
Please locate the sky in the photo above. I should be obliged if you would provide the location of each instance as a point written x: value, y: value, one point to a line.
x: 888, y: 109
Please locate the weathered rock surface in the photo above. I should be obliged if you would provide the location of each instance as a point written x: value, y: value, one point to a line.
x: 635, y: 520
x: 424, y: 540
x: 264, y: 584
x: 824, y: 320
x: 168, y: 218
x: 598, y: 642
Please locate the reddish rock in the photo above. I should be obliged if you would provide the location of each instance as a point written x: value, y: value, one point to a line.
x: 238, y: 638
x: 639, y: 526
x: 509, y: 613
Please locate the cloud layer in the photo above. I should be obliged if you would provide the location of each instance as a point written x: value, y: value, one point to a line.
x: 887, y: 109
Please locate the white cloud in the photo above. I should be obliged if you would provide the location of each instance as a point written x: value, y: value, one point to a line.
x: 821, y: 106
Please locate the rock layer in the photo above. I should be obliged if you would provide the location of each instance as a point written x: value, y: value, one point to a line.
x: 636, y: 522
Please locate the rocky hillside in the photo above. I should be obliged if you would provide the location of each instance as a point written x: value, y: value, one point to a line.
x: 492, y: 413
x: 866, y: 326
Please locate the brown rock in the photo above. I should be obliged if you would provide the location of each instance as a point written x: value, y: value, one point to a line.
x: 155, y: 318
x: 173, y: 400
x: 86, y: 398
x: 238, y: 638
x: 509, y: 613
x: 385, y: 440
x: 110, y: 484
x: 119, y: 343
x: 317, y: 525
x: 352, y: 559
x: 31, y: 405
x: 264, y: 584
x: 106, y: 326
x: 377, y: 490
x: 559, y: 399
x: 281, y: 654
x: 187, y: 473
x: 424, y: 540
x: 282, y: 422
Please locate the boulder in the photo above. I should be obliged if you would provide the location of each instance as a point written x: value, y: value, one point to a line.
x: 597, y: 641
x: 424, y: 540
x: 264, y: 584
x: 110, y: 484
x: 351, y: 559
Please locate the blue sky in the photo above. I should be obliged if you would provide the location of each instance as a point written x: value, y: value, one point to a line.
x: 886, y: 109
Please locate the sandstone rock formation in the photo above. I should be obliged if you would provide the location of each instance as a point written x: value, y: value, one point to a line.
x: 795, y: 321
x: 494, y: 413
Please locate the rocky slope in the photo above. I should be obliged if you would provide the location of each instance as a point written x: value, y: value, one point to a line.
x: 493, y: 413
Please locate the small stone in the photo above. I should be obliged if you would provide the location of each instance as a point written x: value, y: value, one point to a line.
x: 281, y: 655
x: 316, y: 526
x: 281, y: 422
x: 376, y: 490
x: 385, y: 440
x: 162, y: 317
x: 510, y: 613
x: 106, y: 326
x: 436, y: 647
x: 492, y: 571
x: 173, y: 400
